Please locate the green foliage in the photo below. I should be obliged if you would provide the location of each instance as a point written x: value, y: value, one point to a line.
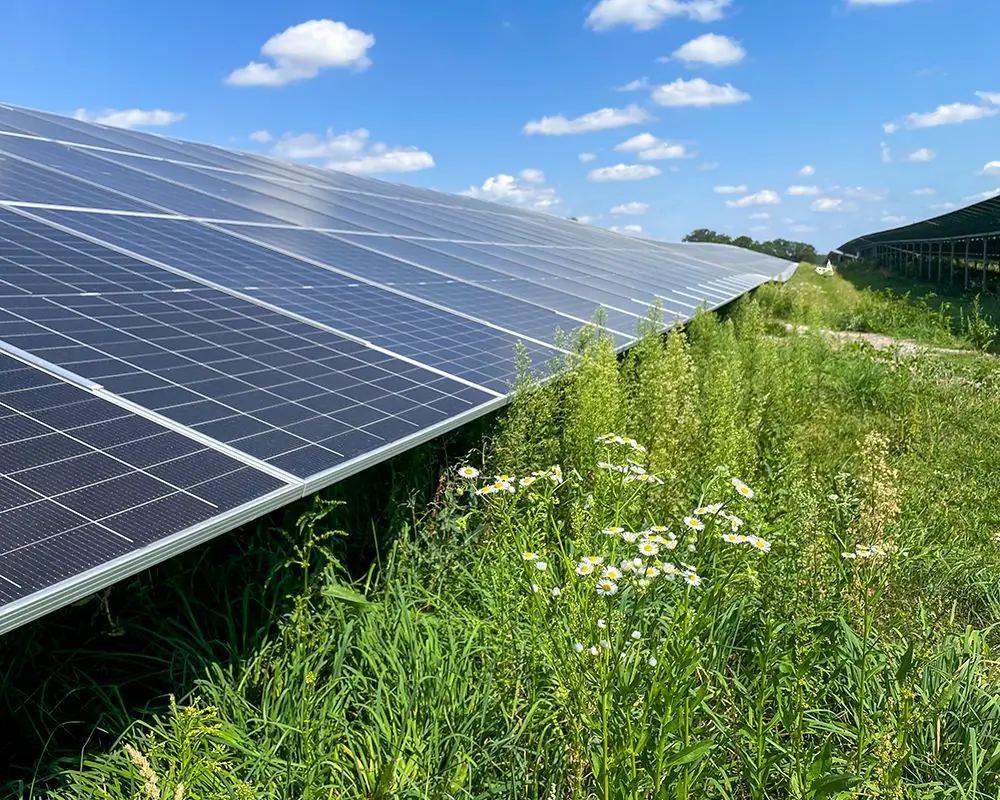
x: 839, y: 643
x: 780, y: 248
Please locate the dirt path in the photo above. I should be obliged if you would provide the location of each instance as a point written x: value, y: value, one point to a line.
x: 880, y: 341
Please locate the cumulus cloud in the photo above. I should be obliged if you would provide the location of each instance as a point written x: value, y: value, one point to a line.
x: 877, y: 2
x: 263, y: 137
x: 807, y: 170
x: 638, y: 85
x: 708, y: 166
x: 527, y: 190
x: 886, y: 152
x: 889, y: 128
x: 760, y: 215
x: 942, y: 206
x: 802, y: 191
x: 130, y: 118
x: 825, y: 204
x: 980, y: 196
x: 991, y: 168
x: 644, y: 15
x: 766, y: 197
x: 632, y: 208
x: 928, y: 192
x: 600, y: 120
x: 586, y: 158
x: 624, y: 172
x: 302, y: 51
x: 652, y: 148
x: 923, y: 154
x: 351, y: 152
x: 629, y: 229
x: 711, y: 49
x: 893, y: 219
x: 741, y: 189
x: 697, y: 93
x: 950, y: 114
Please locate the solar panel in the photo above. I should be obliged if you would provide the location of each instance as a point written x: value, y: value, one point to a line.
x: 191, y: 336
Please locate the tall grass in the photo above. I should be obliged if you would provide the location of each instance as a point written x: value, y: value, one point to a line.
x: 727, y: 566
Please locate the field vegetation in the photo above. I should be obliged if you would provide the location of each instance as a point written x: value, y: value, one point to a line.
x: 731, y: 565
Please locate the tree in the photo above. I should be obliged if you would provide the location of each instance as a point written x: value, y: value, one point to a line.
x: 780, y: 248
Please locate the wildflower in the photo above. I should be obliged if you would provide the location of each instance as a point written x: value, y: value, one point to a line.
x: 630, y: 536
x: 700, y: 511
x: 694, y: 523
x: 594, y: 651
x: 637, y: 562
x: 590, y: 501
x: 612, y: 574
x: 692, y: 548
x: 606, y: 588
x: 652, y: 572
x: 636, y: 468
x: 849, y: 556
x: 602, y: 624
x: 605, y: 644
x: 671, y: 544
x: 762, y: 545
x: 625, y: 565
x: 688, y: 567
x: 643, y: 583
x: 541, y: 566
x: 535, y: 588
x: 556, y: 591
x: 658, y: 529
x: 529, y: 556
x: 470, y: 473
x: 595, y: 560
x: 833, y: 497
x: 742, y: 489
x: 583, y: 569
x: 735, y: 522
x: 578, y: 647
x: 527, y: 480
x: 613, y: 531
x: 669, y: 570
x: 690, y: 578
x: 652, y: 661
x: 555, y: 474
x: 636, y: 635
x: 733, y: 538
x: 648, y: 548
x: 714, y: 508
x: 504, y: 478
x: 486, y: 490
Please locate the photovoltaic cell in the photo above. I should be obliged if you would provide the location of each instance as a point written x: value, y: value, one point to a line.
x: 83, y: 481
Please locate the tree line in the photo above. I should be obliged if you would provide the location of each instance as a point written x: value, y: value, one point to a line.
x: 782, y: 248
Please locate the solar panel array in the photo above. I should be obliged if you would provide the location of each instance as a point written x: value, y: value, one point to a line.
x: 191, y: 337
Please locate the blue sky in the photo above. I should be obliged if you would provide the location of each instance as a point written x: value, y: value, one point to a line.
x: 502, y: 97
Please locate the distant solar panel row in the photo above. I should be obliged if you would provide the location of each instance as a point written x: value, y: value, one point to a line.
x: 191, y: 336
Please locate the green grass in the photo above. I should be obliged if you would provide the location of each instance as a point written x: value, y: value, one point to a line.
x: 426, y: 655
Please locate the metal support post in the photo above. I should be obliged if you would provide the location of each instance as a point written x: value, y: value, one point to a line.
x: 967, y: 243
x: 951, y: 264
x: 986, y: 245
x: 940, y: 258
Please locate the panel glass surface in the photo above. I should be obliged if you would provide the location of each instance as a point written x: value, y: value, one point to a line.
x: 83, y: 481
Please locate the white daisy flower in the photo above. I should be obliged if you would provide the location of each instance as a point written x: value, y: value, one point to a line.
x: 649, y: 548
x: 700, y: 511
x: 595, y: 560
x: 637, y: 635
x: 760, y: 544
x: 529, y: 556
x: 613, y: 531
x: 578, y: 647
x: 605, y: 644
x: 602, y: 624
x: 691, y: 579
x: 528, y: 480
x: 652, y: 661
x: 637, y: 563
x: 735, y: 522
x: 733, y: 538
x: 694, y: 523
x: 630, y: 536
x: 606, y: 588
x: 714, y: 508
x: 655, y: 529
x: 584, y: 569
x: 742, y: 489
x: 556, y: 591
x: 669, y: 570
x: 504, y: 478
x: 643, y: 583
x: 671, y: 544
x: 692, y: 548
x: 652, y: 572
x: 626, y: 565
x: 612, y: 574
x: 486, y: 490
x: 594, y: 651
x: 470, y: 473
x: 849, y: 556
x: 541, y: 566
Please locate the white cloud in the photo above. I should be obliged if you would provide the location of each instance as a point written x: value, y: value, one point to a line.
x: 711, y: 49
x: 760, y: 215
x: 600, y: 120
x: 861, y: 193
x: 708, y: 166
x: 130, y: 118
x: 261, y: 136
x: 644, y: 15
x: 807, y: 170
x: 800, y: 228
x: 923, y: 154
x: 976, y: 198
x: 877, y: 2
x: 624, y: 172
x: 632, y: 208
x: 802, y: 191
x: 928, y: 192
x: 828, y: 204
x: 529, y: 193
x: 993, y: 98
x: 893, y: 219
x: 697, y: 93
x: 630, y: 229
x: 351, y: 152
x: 302, y: 51
x: 886, y: 153
x: 889, y: 128
x: 730, y: 189
x: 942, y: 206
x: 651, y: 148
x: 586, y: 158
x: 532, y: 176
x: 991, y: 168
x: 950, y: 114
x: 638, y: 85
x: 585, y: 220
x: 384, y: 159
x: 766, y: 197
